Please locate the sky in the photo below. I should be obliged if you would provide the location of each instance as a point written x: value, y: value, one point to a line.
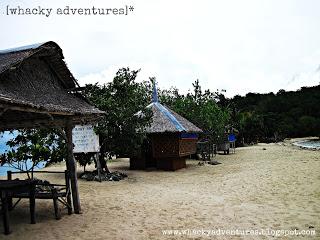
x: 240, y: 46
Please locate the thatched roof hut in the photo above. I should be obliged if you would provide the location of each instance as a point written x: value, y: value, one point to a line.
x: 36, y: 80
x: 38, y: 90
x: 171, y: 138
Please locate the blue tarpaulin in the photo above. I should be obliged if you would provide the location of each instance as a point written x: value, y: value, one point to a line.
x: 232, y: 138
x: 165, y: 111
x: 169, y: 115
x: 189, y: 135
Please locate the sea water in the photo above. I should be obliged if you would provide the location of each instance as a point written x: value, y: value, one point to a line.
x: 312, y: 144
x: 4, y: 137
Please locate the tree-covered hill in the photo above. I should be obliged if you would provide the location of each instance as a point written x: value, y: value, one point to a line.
x: 271, y: 117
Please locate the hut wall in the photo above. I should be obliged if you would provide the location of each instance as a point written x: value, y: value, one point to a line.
x: 179, y: 163
x: 187, y: 147
x: 171, y: 164
x: 169, y: 152
x: 165, y: 145
x: 138, y: 160
x: 143, y: 159
x: 137, y: 163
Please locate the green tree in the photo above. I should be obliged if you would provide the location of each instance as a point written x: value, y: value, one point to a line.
x: 121, y: 131
x: 272, y: 117
x: 251, y: 127
x: 308, y: 125
x: 201, y: 108
x: 35, y: 146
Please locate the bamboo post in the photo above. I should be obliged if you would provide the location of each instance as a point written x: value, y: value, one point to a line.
x: 71, y: 167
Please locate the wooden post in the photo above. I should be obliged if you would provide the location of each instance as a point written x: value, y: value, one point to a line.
x: 72, y: 169
x: 55, y: 204
x: 98, y: 166
x: 10, y: 202
x: 5, y: 212
x: 32, y: 202
x: 69, y: 201
x: 9, y: 174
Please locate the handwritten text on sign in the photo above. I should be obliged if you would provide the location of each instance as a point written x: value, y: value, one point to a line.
x: 85, y: 139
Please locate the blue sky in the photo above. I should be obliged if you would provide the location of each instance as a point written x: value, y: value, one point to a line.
x: 4, y: 137
x: 241, y: 46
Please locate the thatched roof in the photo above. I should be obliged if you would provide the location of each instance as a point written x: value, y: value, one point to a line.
x: 165, y: 120
x: 36, y: 80
x: 51, y: 52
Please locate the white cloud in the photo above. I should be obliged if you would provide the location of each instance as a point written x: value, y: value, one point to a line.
x: 304, y: 79
x: 239, y: 46
x: 107, y: 75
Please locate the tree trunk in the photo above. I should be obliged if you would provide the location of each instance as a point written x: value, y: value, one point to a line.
x: 71, y: 166
x: 103, y: 162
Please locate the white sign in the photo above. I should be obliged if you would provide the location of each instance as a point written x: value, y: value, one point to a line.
x: 85, y: 139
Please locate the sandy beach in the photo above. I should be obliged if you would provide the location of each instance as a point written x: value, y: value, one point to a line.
x: 267, y: 186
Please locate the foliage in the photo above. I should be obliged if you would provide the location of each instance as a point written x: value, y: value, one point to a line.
x: 35, y: 146
x: 122, y: 130
x: 272, y: 117
x: 84, y: 159
x: 201, y: 108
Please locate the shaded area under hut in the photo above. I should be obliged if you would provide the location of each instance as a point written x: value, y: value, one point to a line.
x: 170, y: 140
x: 38, y: 90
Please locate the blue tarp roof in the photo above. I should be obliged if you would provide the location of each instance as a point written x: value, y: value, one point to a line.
x: 170, y: 116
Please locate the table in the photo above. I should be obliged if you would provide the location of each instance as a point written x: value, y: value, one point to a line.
x: 7, y: 189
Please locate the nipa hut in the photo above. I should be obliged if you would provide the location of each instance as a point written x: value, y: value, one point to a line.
x: 38, y: 90
x: 170, y: 140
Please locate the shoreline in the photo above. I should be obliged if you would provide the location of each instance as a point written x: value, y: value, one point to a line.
x: 297, y: 142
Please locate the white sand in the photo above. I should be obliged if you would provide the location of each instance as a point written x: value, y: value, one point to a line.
x: 276, y: 188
